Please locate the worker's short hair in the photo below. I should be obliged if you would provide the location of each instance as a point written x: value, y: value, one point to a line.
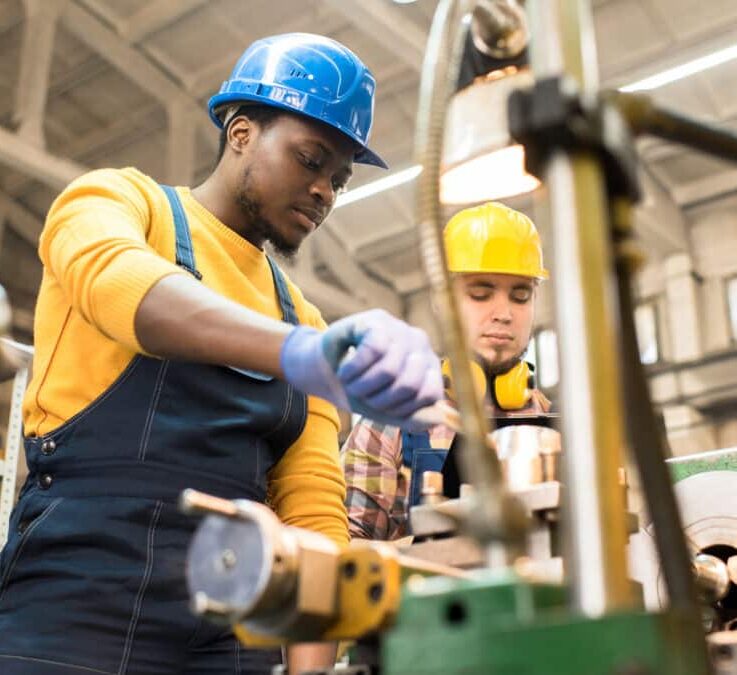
x: 263, y: 115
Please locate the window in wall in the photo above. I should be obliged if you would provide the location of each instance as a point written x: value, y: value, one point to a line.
x: 546, y: 358
x: 646, y: 324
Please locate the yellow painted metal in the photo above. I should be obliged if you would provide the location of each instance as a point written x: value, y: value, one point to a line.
x: 368, y: 593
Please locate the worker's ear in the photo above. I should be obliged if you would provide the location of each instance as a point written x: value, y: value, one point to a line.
x: 240, y: 132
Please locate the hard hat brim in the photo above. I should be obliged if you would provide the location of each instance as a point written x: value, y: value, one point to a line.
x: 364, y: 155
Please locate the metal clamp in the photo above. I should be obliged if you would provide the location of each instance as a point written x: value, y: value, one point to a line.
x: 553, y: 115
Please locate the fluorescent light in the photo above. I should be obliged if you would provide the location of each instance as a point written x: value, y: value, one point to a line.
x: 652, y: 82
x: 683, y: 71
x: 372, y: 188
x: 469, y: 182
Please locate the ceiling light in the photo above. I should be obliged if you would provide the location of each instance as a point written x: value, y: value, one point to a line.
x: 469, y: 182
x: 372, y: 188
x: 481, y: 162
x: 683, y: 71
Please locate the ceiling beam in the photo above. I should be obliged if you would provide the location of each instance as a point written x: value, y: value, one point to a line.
x: 208, y: 79
x: 98, y: 143
x: 49, y: 169
x: 389, y: 26
x: 129, y: 61
x: 39, y: 29
x: 672, y: 54
x: 24, y: 223
x: 333, y: 302
x: 181, y: 147
x: 154, y: 16
x: 3, y: 223
x: 397, y: 239
x: 713, y: 186
x: 351, y: 275
x: 658, y: 218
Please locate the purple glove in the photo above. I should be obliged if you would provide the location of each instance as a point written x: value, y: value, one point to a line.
x: 391, y: 374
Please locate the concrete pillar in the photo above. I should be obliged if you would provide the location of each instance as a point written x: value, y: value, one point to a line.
x: 35, y: 67
x: 727, y: 433
x: 688, y: 430
x: 714, y: 240
x: 716, y: 333
x: 418, y: 312
x: 681, y: 288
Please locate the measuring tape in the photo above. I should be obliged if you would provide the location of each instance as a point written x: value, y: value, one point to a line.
x: 9, y: 467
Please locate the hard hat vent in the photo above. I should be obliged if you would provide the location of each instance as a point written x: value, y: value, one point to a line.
x: 296, y: 72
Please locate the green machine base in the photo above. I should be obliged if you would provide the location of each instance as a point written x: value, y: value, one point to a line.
x: 500, y: 624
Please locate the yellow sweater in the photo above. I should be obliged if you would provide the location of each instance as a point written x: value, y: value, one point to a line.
x: 108, y: 238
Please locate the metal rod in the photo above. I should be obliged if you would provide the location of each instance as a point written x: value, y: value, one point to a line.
x: 649, y: 453
x: 440, y: 71
x: 194, y: 502
x: 586, y: 314
x: 412, y: 565
x: 646, y: 117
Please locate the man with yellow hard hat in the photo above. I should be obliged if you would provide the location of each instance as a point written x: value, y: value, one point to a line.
x: 495, y: 257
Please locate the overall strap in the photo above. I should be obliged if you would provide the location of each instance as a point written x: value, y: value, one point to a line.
x: 184, y: 250
x: 412, y: 442
x: 289, y: 314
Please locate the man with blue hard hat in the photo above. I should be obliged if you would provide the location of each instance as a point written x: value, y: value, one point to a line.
x: 172, y: 352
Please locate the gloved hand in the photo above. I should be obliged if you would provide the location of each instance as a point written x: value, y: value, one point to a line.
x: 391, y: 374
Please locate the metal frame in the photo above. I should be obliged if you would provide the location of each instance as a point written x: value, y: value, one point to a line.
x: 9, y: 465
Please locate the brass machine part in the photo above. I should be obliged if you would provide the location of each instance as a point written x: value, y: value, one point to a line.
x: 432, y: 487
x: 732, y: 568
x: 712, y: 578
x: 276, y: 583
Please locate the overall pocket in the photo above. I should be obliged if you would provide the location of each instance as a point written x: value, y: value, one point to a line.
x: 28, y: 516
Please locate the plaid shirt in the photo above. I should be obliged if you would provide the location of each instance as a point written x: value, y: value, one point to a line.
x: 377, y: 481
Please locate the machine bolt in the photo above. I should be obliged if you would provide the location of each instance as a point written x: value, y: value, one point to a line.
x: 349, y: 569
x: 375, y: 592
x: 194, y: 502
x: 229, y: 558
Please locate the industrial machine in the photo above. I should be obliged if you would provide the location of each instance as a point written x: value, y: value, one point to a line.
x: 510, y: 616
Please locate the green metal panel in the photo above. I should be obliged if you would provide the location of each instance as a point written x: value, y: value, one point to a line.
x: 501, y: 625
x: 718, y: 460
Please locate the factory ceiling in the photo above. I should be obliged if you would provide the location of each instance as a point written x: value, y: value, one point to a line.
x: 93, y: 83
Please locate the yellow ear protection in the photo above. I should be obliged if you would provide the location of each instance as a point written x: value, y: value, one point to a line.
x: 509, y: 391
x: 512, y: 390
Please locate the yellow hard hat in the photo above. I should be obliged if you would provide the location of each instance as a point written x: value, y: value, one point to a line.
x: 494, y: 238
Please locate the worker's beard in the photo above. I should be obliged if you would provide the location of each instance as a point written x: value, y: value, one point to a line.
x: 501, y: 367
x: 262, y: 227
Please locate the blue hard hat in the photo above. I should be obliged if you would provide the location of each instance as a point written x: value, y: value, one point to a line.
x: 308, y: 74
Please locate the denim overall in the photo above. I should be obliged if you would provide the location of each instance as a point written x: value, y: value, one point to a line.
x: 92, y: 577
x: 419, y: 457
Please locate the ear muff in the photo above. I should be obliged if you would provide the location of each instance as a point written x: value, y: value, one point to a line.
x: 477, y: 373
x: 512, y: 389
